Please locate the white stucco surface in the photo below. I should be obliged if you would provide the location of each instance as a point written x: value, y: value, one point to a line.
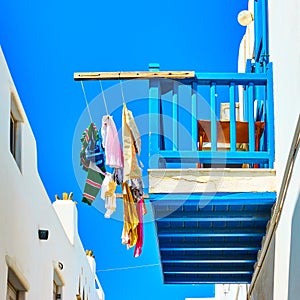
x: 284, y: 37
x: 25, y: 208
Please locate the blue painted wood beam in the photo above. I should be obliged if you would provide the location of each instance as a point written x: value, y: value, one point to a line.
x: 209, y: 261
x: 232, y: 117
x: 210, y: 272
x: 227, y: 78
x: 248, y: 198
x: 196, y: 268
x: 206, y: 278
x: 212, y: 215
x: 219, y: 280
x: 225, y: 234
x: 215, y: 157
x: 211, y: 256
x: 211, y: 232
x: 208, y: 248
x: 217, y: 218
x: 199, y: 245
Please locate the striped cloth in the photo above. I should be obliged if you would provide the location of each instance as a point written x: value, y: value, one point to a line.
x: 93, y: 183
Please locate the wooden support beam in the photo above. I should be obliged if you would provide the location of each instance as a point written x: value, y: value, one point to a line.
x: 133, y: 75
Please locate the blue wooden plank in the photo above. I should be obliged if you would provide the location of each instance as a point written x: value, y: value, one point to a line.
x: 227, y: 78
x: 212, y: 215
x: 251, y: 117
x: 246, y: 104
x: 211, y: 244
x: 198, y: 268
x: 202, y: 256
x: 175, y: 115
x: 208, y: 272
x: 213, y: 117
x: 194, y: 116
x: 208, y: 261
x: 224, y: 218
x: 238, y: 157
x: 211, y: 233
x: 259, y: 198
x: 221, y: 248
x: 232, y: 117
x: 209, y: 279
x: 154, y: 130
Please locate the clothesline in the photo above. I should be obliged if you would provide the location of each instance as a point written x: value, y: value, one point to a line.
x: 127, y: 268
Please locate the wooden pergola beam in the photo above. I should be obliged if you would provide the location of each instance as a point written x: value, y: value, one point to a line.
x: 133, y: 75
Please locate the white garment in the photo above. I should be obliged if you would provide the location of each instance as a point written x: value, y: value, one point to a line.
x: 108, y: 194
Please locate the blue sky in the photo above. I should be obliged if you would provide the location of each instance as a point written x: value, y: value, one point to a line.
x: 45, y: 42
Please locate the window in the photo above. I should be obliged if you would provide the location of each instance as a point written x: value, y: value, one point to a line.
x: 58, y: 283
x: 16, y: 287
x: 56, y: 291
x: 12, y: 293
x: 15, y: 135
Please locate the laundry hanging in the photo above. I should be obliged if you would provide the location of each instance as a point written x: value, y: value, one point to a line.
x: 131, y: 219
x: 131, y: 145
x: 111, y: 143
x: 88, y: 139
x: 93, y: 183
x: 108, y: 194
x: 92, y: 161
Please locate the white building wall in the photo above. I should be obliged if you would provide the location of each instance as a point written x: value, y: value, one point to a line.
x: 25, y: 208
x: 284, y: 37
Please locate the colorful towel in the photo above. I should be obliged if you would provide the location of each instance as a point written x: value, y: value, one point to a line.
x: 93, y: 183
x: 88, y: 139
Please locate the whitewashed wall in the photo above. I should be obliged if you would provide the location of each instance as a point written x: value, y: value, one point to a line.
x: 284, y: 34
x: 25, y: 207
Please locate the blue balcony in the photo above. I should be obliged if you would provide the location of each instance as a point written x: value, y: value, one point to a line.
x: 179, y: 113
x: 211, y: 214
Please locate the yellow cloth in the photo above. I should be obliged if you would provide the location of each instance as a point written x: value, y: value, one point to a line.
x: 131, y: 145
x: 131, y: 220
x: 111, y: 189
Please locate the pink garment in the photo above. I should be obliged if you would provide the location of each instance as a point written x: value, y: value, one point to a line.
x: 111, y: 143
x: 141, y: 211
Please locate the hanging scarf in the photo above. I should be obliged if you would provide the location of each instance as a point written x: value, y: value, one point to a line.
x: 93, y: 183
x: 88, y: 139
x: 131, y: 220
x: 131, y: 145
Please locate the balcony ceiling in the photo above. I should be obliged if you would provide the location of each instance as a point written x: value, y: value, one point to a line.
x: 210, y: 238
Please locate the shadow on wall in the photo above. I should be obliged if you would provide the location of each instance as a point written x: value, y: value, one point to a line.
x: 294, y: 254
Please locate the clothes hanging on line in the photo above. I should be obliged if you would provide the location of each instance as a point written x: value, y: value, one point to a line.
x: 111, y: 143
x: 93, y: 183
x: 108, y: 194
x: 131, y: 145
x: 130, y: 218
x: 92, y: 161
x: 88, y: 139
x: 137, y: 188
x: 141, y: 211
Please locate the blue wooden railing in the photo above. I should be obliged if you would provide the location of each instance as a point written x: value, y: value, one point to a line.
x: 257, y: 105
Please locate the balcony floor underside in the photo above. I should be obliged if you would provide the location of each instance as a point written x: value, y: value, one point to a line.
x: 211, y: 180
x: 210, y: 237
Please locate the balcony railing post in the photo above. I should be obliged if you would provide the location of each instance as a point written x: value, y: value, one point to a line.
x: 194, y: 116
x: 175, y: 116
x: 251, y: 117
x: 232, y: 117
x: 213, y: 116
x: 270, y: 116
x: 154, y: 118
